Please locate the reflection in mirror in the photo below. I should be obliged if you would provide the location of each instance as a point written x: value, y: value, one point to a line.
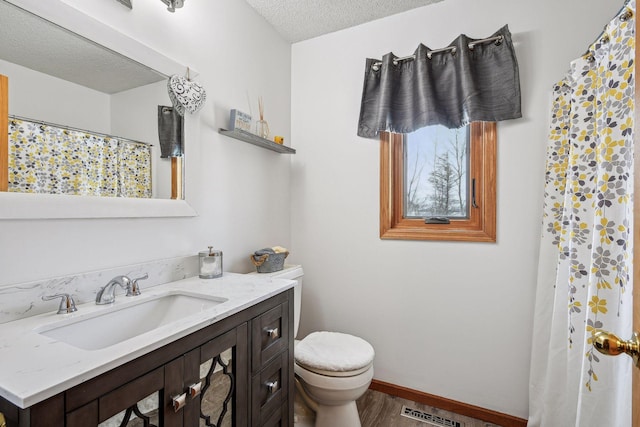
x: 49, y: 158
x: 96, y: 111
x: 142, y: 413
x: 218, y: 384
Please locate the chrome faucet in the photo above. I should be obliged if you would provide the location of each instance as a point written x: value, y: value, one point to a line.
x: 107, y: 294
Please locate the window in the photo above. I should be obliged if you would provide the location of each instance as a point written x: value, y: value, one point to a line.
x: 439, y: 173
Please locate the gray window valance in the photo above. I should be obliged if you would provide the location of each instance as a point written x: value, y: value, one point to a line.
x: 470, y: 80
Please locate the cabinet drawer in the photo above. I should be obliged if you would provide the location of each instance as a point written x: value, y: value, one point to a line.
x: 279, y: 418
x: 269, y: 392
x: 269, y: 335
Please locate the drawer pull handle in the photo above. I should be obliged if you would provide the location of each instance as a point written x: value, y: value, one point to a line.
x: 273, y: 332
x: 179, y: 402
x: 272, y: 386
x: 195, y: 390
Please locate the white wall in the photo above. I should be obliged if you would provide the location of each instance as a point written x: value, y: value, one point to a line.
x: 40, y: 96
x: 240, y: 191
x: 134, y: 115
x: 451, y: 319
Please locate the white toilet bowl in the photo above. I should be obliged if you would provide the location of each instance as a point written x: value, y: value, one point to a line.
x: 335, y: 397
x: 332, y: 369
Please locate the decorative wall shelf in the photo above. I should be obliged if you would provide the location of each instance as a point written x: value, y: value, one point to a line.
x: 256, y: 140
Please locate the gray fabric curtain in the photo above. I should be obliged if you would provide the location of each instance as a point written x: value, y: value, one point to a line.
x: 170, y: 132
x: 450, y: 88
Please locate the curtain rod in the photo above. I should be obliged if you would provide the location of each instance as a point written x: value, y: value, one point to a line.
x: 498, y: 39
x: 42, y: 122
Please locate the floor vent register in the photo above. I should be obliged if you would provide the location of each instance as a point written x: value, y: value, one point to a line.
x: 425, y: 417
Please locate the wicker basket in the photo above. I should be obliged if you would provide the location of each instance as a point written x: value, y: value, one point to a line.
x: 268, y: 263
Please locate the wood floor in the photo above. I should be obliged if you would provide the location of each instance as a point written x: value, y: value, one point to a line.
x: 382, y: 410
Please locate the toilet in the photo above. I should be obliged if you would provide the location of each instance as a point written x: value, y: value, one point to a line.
x: 332, y: 369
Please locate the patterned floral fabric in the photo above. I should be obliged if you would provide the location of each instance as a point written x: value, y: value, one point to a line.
x: 53, y: 160
x: 584, y: 281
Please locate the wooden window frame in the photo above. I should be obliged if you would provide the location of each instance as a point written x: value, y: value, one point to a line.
x: 480, y: 227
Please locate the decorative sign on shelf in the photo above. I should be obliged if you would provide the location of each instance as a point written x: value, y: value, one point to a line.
x: 239, y: 121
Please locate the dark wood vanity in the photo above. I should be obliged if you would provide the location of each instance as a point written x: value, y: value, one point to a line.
x: 257, y: 385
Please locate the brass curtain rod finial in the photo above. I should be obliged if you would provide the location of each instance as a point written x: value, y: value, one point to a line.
x: 610, y: 344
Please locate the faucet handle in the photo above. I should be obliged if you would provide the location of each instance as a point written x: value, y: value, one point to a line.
x: 134, y: 290
x: 67, y: 304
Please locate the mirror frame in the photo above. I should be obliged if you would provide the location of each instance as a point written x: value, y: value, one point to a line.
x: 46, y: 206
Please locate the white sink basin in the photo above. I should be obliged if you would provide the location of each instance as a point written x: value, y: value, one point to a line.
x: 115, y: 324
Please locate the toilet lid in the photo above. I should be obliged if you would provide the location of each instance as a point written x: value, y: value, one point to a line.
x: 334, y: 352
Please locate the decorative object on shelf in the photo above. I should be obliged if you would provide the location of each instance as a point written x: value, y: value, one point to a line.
x: 210, y: 263
x: 239, y: 121
x: 262, y: 127
x: 172, y: 5
x: 278, y: 139
x: 268, y: 260
x: 170, y: 132
x: 186, y: 94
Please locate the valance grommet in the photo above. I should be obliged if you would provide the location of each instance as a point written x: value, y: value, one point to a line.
x: 498, y: 41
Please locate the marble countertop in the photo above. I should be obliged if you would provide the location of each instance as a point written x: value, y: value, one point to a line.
x: 35, y: 367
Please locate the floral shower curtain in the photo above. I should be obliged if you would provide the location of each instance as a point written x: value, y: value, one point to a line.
x: 584, y: 277
x: 53, y: 160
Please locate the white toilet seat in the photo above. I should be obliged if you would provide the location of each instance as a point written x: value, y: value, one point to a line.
x: 334, y: 354
x: 336, y: 374
x: 335, y: 383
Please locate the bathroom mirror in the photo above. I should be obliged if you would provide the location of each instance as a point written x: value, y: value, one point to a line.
x: 66, y: 68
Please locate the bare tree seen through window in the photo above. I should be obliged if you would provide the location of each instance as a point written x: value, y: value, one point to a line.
x: 436, y: 171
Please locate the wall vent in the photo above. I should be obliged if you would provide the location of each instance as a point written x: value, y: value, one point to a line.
x: 425, y: 417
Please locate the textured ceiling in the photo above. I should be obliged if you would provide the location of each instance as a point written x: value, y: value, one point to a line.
x: 30, y: 41
x: 299, y: 20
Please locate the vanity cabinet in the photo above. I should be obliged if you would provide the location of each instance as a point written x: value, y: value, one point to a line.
x: 237, y: 371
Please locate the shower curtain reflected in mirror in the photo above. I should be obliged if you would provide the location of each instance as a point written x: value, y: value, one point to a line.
x: 54, y: 160
x: 585, y: 267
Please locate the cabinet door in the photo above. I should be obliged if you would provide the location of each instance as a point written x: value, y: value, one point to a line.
x: 145, y: 401
x: 216, y: 375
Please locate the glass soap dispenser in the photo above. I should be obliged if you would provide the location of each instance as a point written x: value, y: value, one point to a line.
x: 210, y: 263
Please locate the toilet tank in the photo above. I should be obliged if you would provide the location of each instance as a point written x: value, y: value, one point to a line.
x: 291, y: 272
